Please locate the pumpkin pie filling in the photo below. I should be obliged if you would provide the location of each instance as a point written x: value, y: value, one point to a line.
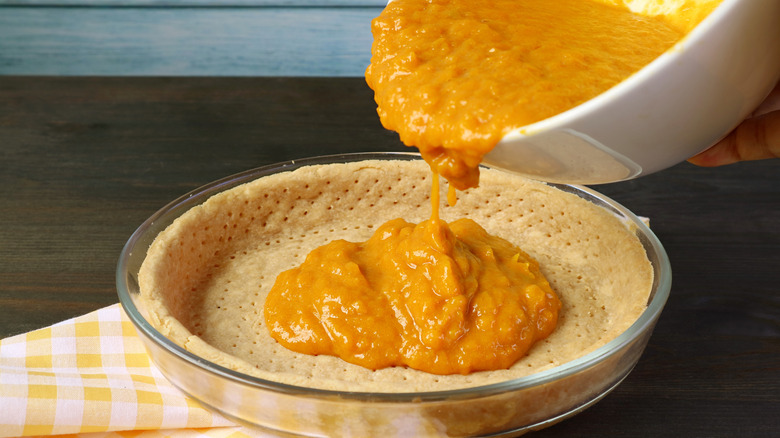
x: 437, y: 297
x: 452, y: 77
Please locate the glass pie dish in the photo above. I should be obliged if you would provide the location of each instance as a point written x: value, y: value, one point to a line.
x: 506, y: 408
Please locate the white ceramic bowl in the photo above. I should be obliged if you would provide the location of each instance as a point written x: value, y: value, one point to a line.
x: 677, y: 106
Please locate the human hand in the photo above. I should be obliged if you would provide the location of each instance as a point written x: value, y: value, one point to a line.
x: 756, y: 138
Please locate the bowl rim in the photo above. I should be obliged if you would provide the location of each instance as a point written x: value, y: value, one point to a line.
x: 666, y: 60
x: 661, y: 288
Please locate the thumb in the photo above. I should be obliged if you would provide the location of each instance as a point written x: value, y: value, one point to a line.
x: 756, y: 138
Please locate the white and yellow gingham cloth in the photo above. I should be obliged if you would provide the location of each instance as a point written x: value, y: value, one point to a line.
x: 90, y: 377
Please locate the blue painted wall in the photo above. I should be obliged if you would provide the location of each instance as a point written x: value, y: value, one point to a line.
x: 186, y: 37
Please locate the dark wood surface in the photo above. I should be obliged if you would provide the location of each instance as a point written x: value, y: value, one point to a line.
x: 83, y: 161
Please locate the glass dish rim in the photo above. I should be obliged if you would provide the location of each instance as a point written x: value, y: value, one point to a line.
x: 661, y: 287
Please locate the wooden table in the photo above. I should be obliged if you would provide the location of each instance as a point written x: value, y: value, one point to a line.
x: 83, y: 161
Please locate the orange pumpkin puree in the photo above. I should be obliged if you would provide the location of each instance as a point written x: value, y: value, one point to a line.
x: 437, y: 297
x: 452, y: 77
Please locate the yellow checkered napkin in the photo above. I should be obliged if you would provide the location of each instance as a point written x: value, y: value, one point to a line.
x: 90, y: 377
